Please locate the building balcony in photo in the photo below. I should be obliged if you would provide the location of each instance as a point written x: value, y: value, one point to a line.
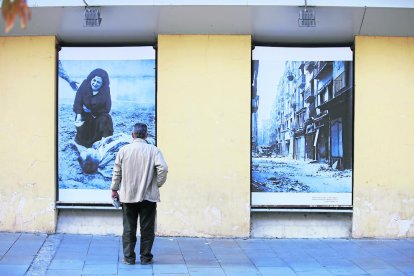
x: 309, y: 66
x: 309, y: 97
x: 324, y: 69
x: 340, y: 87
x: 302, y: 81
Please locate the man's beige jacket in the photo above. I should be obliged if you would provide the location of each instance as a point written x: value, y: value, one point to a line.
x: 139, y: 171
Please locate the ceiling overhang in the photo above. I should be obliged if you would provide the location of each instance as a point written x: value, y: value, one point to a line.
x: 268, y: 23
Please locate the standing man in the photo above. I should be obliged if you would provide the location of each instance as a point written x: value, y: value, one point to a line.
x: 139, y: 172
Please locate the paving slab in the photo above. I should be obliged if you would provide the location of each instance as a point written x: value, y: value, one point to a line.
x: 271, y: 271
x: 170, y: 268
x: 126, y: 272
x: 64, y: 272
x: 100, y: 269
x: 11, y: 270
x: 6, y: 241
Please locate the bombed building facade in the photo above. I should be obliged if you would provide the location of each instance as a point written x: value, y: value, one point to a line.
x: 312, y: 113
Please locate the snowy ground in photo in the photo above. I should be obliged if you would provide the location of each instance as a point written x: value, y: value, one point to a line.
x: 283, y: 174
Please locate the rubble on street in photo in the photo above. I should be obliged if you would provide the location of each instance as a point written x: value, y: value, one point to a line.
x: 284, y: 174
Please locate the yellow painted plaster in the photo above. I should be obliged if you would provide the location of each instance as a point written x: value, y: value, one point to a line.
x: 203, y: 129
x: 384, y: 137
x: 27, y: 134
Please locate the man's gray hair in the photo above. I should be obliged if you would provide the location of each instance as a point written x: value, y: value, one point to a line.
x: 140, y: 130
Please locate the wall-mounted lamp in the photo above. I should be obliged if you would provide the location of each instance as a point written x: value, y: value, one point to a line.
x: 307, y: 17
x: 92, y: 16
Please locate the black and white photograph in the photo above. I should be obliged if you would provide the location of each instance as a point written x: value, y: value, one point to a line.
x: 102, y: 93
x: 302, y: 126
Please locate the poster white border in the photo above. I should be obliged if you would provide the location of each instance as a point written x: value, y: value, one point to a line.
x: 107, y: 53
x: 302, y: 199
x: 303, y: 54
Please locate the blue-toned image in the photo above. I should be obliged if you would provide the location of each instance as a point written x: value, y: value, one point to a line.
x: 302, y: 127
x: 99, y: 101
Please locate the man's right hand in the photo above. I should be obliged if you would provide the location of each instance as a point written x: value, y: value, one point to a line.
x: 115, y: 194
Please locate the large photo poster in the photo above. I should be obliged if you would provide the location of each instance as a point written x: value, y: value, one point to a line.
x: 102, y: 93
x: 302, y: 127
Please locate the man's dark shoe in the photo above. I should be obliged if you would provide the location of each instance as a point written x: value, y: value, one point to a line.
x: 147, y: 262
x: 124, y: 261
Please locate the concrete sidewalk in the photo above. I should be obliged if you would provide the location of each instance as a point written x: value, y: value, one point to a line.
x: 66, y: 254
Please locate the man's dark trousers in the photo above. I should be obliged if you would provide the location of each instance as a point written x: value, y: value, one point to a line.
x: 146, y: 211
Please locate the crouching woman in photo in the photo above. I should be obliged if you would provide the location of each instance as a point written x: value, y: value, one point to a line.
x: 92, y: 106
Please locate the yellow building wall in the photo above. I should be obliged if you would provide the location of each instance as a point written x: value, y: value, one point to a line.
x: 203, y: 129
x: 384, y: 137
x: 27, y: 134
